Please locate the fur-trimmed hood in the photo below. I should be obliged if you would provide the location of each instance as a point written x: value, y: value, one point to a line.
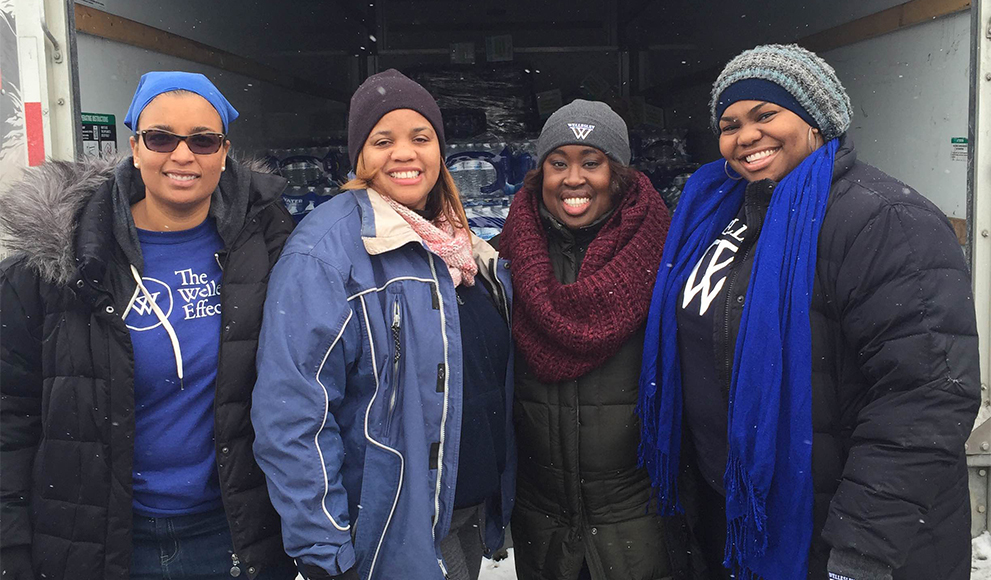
x: 39, y: 215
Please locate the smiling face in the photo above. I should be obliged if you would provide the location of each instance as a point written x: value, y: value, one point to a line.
x: 576, y: 185
x: 179, y: 183
x: 404, y: 153
x: 762, y: 140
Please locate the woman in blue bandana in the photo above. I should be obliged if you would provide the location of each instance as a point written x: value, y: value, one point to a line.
x: 130, y: 321
x: 810, y: 368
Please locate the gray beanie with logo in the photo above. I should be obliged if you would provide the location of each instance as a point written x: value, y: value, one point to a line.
x: 582, y: 122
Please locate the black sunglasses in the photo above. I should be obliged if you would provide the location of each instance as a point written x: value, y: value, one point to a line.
x: 165, y: 142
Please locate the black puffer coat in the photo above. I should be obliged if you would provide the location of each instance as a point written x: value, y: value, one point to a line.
x: 66, y: 367
x: 895, y: 378
x: 579, y: 494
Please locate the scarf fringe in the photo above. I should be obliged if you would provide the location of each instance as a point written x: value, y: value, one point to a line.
x: 746, y: 534
x: 743, y: 573
x: 661, y: 467
x: 664, y: 477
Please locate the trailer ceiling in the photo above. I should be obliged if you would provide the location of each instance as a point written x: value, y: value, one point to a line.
x: 318, y: 39
x: 682, y: 38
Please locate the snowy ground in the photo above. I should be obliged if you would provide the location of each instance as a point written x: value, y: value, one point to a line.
x: 980, y: 564
x: 503, y: 569
x: 506, y: 569
x: 980, y: 567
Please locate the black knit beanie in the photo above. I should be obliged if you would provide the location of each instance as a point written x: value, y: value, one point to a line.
x: 384, y: 92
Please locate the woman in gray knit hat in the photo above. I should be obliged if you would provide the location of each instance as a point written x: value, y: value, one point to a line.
x: 582, y: 239
x: 812, y: 333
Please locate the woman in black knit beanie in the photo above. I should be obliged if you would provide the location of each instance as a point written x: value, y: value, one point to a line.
x: 382, y: 405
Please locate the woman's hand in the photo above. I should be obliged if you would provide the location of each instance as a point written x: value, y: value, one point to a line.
x: 314, y: 573
x: 849, y: 565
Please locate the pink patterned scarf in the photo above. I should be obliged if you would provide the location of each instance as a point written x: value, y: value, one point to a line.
x: 452, y: 244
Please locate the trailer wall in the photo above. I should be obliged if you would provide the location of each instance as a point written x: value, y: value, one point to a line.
x: 270, y: 115
x: 910, y: 91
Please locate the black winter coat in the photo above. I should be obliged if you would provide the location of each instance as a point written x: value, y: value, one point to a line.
x: 895, y: 378
x: 580, y: 496
x: 66, y: 366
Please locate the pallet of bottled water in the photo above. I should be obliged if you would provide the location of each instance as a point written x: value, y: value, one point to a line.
x: 487, y: 175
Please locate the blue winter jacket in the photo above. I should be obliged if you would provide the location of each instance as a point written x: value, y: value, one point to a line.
x: 357, y: 408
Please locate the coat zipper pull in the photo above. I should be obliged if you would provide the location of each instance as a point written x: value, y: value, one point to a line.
x: 235, y: 566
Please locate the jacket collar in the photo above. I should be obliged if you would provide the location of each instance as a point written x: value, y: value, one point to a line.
x: 846, y: 156
x: 382, y: 229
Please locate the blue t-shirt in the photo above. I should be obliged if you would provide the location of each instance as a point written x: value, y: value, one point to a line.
x: 175, y: 465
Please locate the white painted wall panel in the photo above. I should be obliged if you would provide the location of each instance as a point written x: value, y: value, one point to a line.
x: 910, y: 92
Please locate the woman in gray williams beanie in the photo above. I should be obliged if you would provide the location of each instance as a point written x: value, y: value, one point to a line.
x: 890, y: 380
x: 582, y: 239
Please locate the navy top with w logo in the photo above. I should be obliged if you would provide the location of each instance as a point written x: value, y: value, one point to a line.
x: 175, y: 467
x: 706, y: 395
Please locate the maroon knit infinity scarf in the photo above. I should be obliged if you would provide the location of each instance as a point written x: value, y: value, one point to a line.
x: 564, y: 331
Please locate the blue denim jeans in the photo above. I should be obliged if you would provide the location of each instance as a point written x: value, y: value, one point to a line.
x: 193, y: 547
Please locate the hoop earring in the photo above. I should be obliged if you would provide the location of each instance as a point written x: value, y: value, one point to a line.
x: 810, y: 142
x: 726, y: 169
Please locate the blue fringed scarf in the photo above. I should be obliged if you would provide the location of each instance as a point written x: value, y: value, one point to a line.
x: 768, y: 477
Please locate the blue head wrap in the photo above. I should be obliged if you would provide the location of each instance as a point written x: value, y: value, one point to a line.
x: 155, y: 83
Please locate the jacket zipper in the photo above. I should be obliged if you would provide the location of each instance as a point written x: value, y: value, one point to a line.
x: 443, y: 419
x: 396, y: 358
x: 224, y: 253
x: 503, y: 301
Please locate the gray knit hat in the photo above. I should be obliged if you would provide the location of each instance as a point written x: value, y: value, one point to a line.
x: 583, y: 122
x: 789, y: 76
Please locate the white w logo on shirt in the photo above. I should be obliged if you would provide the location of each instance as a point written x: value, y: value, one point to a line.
x: 142, y: 306
x: 704, y: 286
x: 581, y: 130
x: 139, y: 314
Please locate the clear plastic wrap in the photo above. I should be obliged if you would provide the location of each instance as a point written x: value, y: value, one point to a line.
x: 487, y: 175
x: 302, y: 200
x: 662, y: 155
x: 326, y: 166
x: 503, y: 93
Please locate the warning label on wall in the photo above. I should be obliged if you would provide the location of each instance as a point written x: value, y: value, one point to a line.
x: 99, y: 135
x: 959, y: 148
